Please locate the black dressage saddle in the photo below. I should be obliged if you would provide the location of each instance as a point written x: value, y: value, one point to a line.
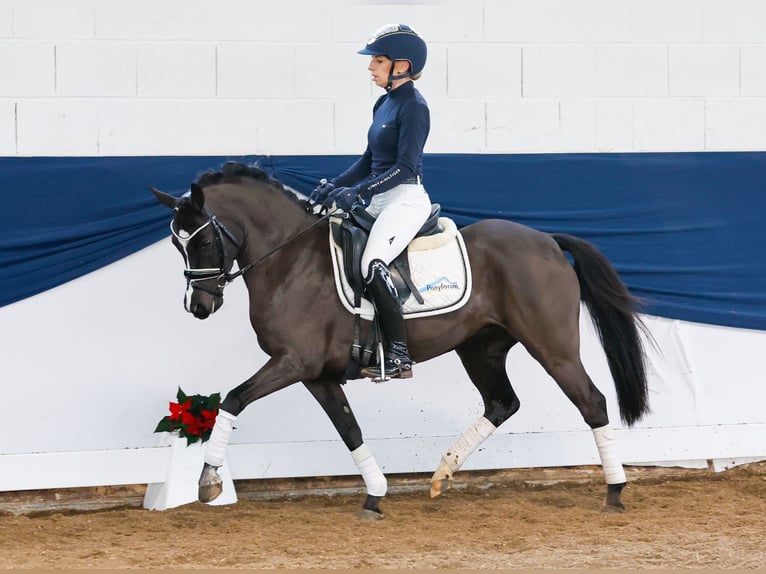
x: 351, y: 234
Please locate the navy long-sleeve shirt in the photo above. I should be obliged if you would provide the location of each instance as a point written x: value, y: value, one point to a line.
x: 400, y: 125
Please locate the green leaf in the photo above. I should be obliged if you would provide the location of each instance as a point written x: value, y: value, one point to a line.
x: 165, y: 425
x: 181, y: 396
x: 198, y: 403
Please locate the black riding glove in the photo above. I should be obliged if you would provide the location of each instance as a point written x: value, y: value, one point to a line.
x: 322, y: 192
x: 345, y: 198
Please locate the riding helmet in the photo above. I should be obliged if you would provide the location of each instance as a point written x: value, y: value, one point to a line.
x: 398, y: 42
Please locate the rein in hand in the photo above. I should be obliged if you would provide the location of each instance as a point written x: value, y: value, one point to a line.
x: 229, y: 277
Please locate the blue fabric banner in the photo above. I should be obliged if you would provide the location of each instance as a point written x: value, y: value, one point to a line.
x: 682, y: 229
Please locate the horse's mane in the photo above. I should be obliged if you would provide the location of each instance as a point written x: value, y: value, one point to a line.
x: 234, y: 171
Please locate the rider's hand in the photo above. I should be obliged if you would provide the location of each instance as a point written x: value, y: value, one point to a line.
x: 344, y: 198
x: 322, y: 192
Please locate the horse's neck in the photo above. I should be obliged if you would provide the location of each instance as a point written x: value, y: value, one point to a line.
x: 266, y: 218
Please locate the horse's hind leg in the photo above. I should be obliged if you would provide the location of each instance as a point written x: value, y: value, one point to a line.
x: 483, y: 357
x: 570, y: 375
x: 333, y: 400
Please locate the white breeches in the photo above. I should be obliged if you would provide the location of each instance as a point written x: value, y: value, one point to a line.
x: 400, y: 212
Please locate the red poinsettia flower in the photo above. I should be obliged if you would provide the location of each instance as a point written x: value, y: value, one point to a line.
x: 207, y: 419
x: 192, y: 417
x: 193, y: 424
x: 177, y: 410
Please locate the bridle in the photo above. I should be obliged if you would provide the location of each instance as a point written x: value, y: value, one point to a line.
x: 195, y: 275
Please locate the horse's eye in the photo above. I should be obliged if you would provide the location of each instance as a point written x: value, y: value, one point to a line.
x: 206, y: 243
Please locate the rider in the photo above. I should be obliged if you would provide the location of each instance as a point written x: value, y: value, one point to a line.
x: 387, y: 180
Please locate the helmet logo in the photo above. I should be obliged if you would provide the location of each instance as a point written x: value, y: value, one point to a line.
x: 389, y: 29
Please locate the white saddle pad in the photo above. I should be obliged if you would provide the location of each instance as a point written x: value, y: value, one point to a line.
x: 440, y: 270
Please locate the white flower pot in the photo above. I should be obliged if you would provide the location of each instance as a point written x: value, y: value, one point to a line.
x: 180, y: 486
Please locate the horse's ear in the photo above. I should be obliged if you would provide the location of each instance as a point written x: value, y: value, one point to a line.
x: 197, y: 196
x: 164, y: 198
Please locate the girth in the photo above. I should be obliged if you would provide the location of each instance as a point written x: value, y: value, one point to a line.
x: 352, y: 234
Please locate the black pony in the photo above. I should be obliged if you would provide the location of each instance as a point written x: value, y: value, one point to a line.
x: 525, y: 290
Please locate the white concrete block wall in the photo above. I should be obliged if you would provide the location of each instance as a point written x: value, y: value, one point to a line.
x: 130, y: 126
x: 8, y: 136
x: 57, y: 127
x: 135, y: 19
x: 557, y: 21
x: 180, y: 70
x: 669, y: 125
x: 614, y: 125
x: 258, y: 77
x: 96, y: 70
x: 296, y: 127
x: 667, y: 22
x: 631, y: 71
x: 522, y: 126
x: 231, y: 124
x: 262, y: 71
x: 704, y: 71
x: 322, y: 71
x: 736, y: 124
x: 484, y: 71
x: 45, y: 19
x: 753, y: 66
x: 6, y: 19
x: 577, y: 122
x: 552, y: 71
x: 466, y: 130
x: 27, y: 69
x: 347, y: 115
x: 734, y: 21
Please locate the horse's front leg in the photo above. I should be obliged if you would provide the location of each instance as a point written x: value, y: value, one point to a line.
x: 331, y: 397
x: 278, y: 373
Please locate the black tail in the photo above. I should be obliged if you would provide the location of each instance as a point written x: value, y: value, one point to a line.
x: 613, y: 310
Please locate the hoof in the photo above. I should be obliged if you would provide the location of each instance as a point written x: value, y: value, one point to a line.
x: 612, y: 503
x: 209, y: 492
x: 365, y: 514
x: 210, y: 484
x: 607, y: 509
x: 439, y: 486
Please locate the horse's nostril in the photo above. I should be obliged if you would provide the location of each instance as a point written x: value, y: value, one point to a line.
x: 200, y: 312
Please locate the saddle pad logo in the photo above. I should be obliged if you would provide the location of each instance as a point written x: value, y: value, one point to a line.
x: 441, y: 284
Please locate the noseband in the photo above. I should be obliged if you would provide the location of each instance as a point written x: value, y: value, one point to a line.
x: 195, y: 275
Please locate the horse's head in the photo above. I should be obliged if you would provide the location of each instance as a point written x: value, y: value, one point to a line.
x: 202, y: 240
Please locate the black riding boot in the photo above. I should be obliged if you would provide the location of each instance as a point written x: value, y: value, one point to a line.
x: 380, y: 288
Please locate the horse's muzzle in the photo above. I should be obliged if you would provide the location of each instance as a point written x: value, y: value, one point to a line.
x: 203, y: 306
x: 200, y: 311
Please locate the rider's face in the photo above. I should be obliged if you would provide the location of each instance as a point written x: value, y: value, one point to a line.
x: 380, y: 67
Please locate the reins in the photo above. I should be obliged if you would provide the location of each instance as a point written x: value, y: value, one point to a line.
x: 229, y: 277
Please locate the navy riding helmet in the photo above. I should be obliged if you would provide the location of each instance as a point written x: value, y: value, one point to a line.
x: 398, y: 42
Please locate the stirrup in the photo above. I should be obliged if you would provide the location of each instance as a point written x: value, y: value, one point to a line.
x: 392, y: 369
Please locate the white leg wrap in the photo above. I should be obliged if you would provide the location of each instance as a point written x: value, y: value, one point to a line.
x: 373, y: 477
x: 219, y: 438
x: 610, y: 458
x: 454, y: 458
